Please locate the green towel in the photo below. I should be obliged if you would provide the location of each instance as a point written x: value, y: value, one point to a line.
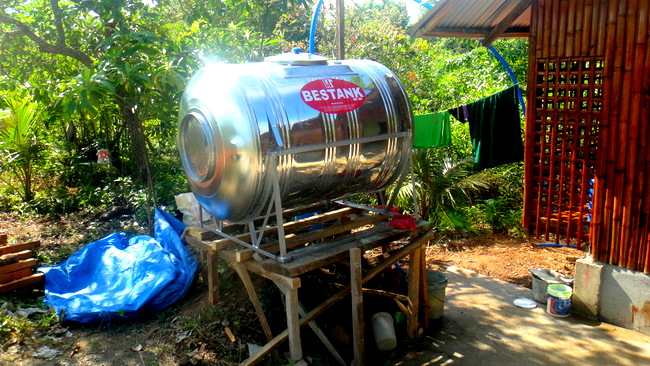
x: 494, y: 127
x: 431, y: 130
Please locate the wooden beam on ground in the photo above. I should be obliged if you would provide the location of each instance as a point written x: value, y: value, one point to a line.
x: 25, y: 281
x: 19, y: 247
x: 18, y: 265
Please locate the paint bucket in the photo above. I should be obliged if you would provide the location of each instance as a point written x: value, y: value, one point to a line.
x: 559, y: 299
x: 436, y: 285
x: 382, y: 327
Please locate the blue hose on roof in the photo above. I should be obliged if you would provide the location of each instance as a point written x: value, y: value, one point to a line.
x: 312, y: 30
x: 512, y: 77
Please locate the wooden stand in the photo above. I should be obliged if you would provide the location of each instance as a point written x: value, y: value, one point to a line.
x: 356, y: 230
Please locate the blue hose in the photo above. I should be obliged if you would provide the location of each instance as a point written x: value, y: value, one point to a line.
x: 312, y: 30
x: 513, y: 78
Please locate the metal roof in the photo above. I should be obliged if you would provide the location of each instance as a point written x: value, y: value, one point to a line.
x: 481, y: 19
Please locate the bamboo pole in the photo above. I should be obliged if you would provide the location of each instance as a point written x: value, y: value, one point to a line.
x: 607, y: 33
x: 620, y: 121
x: 579, y: 29
x: 639, y: 110
x: 586, y: 47
x: 562, y: 31
x: 601, y: 27
x: 552, y: 46
x: 529, y: 138
x: 571, y: 29
x: 629, y: 148
x: 547, y: 16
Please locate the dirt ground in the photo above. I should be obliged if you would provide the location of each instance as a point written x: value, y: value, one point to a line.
x: 195, y: 333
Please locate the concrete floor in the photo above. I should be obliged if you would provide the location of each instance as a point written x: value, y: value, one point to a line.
x: 482, y: 326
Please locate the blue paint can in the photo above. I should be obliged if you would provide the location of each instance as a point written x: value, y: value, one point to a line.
x: 559, y: 299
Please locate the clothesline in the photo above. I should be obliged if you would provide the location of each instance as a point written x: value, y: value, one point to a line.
x: 494, y: 124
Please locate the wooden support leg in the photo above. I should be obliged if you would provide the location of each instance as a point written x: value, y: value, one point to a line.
x: 358, y: 327
x: 415, y: 265
x: 248, y: 284
x: 293, y: 316
x: 213, y: 276
x: 424, y: 287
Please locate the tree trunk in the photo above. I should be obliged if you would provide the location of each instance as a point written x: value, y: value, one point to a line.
x: 139, y: 149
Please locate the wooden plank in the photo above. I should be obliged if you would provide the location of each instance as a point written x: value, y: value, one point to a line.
x: 358, y: 334
x: 10, y: 258
x: 424, y: 288
x: 288, y: 227
x: 26, y: 263
x: 25, y: 281
x: 213, y: 276
x: 10, y: 276
x: 322, y: 254
x: 412, y: 324
x: 293, y: 240
x: 20, y: 247
x: 252, y: 294
x: 293, y: 323
x: 201, y: 233
x: 198, y: 243
x: 3, y: 238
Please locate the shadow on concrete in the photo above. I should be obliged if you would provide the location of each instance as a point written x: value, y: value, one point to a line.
x: 482, y: 326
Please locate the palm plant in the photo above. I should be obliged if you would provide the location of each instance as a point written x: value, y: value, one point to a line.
x: 19, y: 147
x: 443, y: 185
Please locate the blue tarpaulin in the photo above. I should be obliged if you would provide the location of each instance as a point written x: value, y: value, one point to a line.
x: 120, y: 277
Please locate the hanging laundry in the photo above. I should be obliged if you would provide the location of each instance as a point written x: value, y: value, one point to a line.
x: 494, y: 127
x: 431, y: 130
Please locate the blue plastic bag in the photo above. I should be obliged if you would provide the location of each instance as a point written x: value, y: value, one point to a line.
x: 119, y: 277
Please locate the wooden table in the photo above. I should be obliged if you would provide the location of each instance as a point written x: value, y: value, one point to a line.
x: 347, y: 234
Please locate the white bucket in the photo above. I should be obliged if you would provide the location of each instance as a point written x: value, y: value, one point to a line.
x: 382, y: 327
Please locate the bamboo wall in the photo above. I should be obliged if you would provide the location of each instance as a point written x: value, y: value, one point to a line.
x: 588, y: 100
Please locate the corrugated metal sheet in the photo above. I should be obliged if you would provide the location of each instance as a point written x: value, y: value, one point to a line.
x: 475, y: 19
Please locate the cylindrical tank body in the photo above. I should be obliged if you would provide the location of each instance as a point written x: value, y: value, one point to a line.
x: 336, y: 127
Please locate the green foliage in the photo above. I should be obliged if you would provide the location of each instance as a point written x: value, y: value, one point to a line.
x: 20, y: 148
x: 115, y: 77
x: 443, y: 185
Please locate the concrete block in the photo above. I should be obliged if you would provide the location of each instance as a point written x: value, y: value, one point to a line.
x: 625, y: 298
x: 587, y: 287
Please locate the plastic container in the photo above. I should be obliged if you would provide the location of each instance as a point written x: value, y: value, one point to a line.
x: 559, y: 299
x: 541, y: 278
x: 436, y: 285
x: 382, y: 327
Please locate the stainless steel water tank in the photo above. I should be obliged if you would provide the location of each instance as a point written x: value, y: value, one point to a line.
x: 336, y: 127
